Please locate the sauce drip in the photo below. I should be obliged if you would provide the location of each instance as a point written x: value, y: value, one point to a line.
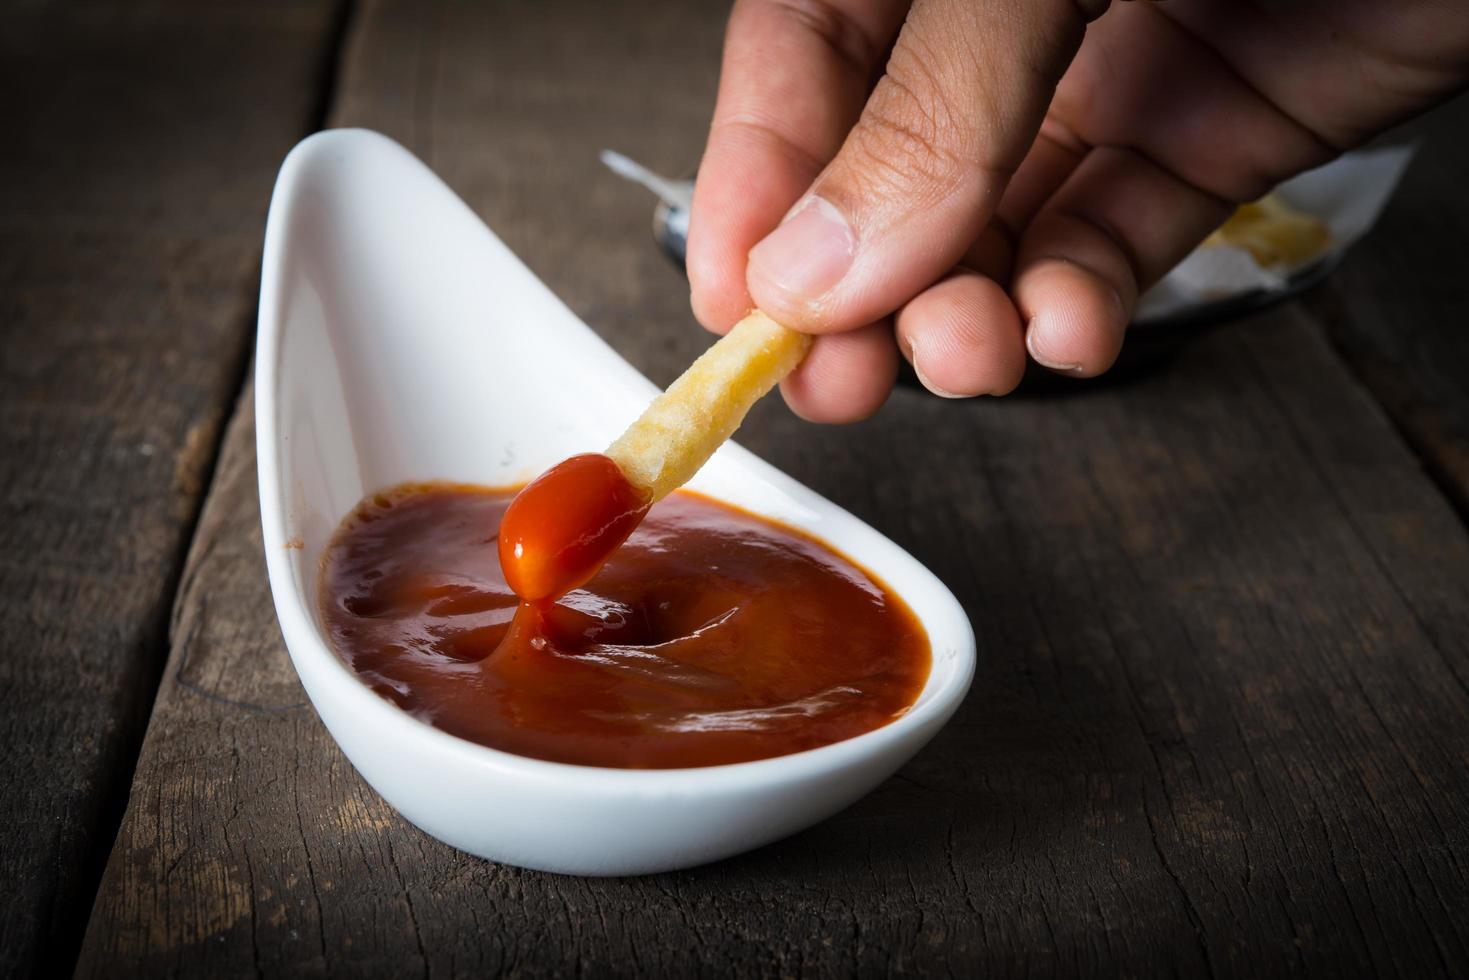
x: 711, y: 636
x: 565, y: 524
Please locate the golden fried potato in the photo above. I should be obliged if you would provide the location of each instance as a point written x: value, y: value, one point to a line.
x: 1274, y: 233
x: 683, y: 426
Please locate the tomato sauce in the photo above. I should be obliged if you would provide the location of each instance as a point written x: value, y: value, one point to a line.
x: 562, y: 527
x: 710, y: 636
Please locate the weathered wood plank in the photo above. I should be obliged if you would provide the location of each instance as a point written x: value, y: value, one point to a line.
x: 1398, y: 305
x: 140, y: 142
x: 1223, y: 621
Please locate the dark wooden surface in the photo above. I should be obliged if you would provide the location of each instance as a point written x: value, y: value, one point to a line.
x: 139, y: 145
x: 1397, y: 309
x: 1221, y: 719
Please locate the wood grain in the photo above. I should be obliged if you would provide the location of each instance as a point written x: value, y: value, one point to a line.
x: 1397, y: 307
x: 140, y: 143
x: 1218, y: 725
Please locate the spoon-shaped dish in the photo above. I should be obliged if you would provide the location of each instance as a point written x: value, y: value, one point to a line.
x: 399, y: 341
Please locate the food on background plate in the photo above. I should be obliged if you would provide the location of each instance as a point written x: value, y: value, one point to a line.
x: 1275, y: 234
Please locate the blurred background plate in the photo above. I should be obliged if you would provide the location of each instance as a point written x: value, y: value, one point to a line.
x: 1347, y: 195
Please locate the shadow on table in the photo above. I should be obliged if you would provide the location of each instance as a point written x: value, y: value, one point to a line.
x: 1002, y: 787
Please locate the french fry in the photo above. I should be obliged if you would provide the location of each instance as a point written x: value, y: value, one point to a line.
x: 683, y: 426
x: 1274, y: 233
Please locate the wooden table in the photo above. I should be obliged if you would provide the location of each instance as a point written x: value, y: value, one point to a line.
x: 1221, y: 719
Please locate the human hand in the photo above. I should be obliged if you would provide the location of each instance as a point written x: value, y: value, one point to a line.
x: 1009, y: 179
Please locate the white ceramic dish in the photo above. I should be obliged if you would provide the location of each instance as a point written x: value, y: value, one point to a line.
x: 401, y: 340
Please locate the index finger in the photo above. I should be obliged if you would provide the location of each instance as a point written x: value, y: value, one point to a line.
x: 795, y: 76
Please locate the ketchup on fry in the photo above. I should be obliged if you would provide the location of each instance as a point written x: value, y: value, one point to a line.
x: 564, y: 524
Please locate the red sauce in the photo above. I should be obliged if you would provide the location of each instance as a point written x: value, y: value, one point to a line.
x: 711, y: 636
x: 565, y: 523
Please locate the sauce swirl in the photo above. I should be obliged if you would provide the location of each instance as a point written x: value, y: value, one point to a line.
x: 710, y: 636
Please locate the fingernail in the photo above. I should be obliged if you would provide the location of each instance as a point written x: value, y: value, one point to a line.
x: 806, y: 256
x: 924, y: 379
x: 1036, y: 344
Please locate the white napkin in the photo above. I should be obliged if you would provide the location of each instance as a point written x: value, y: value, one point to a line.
x: 1347, y: 194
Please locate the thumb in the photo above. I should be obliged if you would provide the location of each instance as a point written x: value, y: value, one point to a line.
x: 916, y: 180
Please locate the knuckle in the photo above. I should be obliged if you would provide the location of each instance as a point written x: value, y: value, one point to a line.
x: 762, y: 130
x: 910, y: 139
x: 835, y: 28
x: 1091, y: 9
